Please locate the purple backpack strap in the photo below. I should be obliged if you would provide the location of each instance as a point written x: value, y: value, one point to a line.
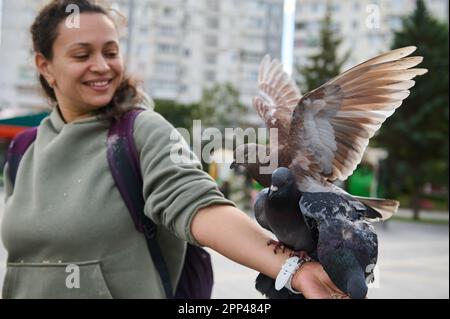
x: 196, y: 279
x: 17, y: 149
x: 124, y: 165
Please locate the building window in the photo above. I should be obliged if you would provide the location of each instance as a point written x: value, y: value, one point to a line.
x: 212, y: 23
x: 183, y: 88
x: 210, y: 76
x: 168, y: 12
x: 213, y: 5
x: 167, y: 30
x: 166, y: 68
x: 211, y: 58
x: 164, y: 85
x: 251, y: 76
x: 336, y: 7
x: 312, y: 42
x: 255, y: 23
x: 143, y: 29
x: 300, y: 26
x: 256, y: 5
x: 211, y: 40
x: 167, y: 48
x: 251, y: 57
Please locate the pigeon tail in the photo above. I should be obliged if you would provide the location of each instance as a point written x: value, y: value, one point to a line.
x: 356, y: 285
x: 386, y: 207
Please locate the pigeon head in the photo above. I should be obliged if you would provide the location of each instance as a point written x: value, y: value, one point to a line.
x: 283, y: 183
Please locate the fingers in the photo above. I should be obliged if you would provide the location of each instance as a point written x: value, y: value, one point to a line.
x: 338, y: 295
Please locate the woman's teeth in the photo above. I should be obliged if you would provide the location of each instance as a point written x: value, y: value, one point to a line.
x: 98, y: 84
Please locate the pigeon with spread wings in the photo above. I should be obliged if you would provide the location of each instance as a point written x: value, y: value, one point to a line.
x: 322, y: 135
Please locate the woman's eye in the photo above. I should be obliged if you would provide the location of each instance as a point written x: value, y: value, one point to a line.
x: 111, y: 54
x: 81, y: 56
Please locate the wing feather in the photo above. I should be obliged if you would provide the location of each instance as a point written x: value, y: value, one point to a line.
x: 333, y: 124
x: 276, y: 99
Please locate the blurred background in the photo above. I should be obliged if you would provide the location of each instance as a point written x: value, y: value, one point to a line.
x: 199, y: 59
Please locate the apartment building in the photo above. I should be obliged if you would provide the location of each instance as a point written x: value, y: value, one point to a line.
x: 176, y: 47
x: 366, y: 26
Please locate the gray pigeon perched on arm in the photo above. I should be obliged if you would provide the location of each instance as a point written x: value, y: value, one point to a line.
x: 347, y: 245
x: 322, y: 136
x: 277, y: 210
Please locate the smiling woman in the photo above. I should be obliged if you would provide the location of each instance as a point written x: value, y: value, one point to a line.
x: 82, y: 70
x: 71, y: 185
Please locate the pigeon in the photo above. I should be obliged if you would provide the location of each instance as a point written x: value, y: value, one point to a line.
x: 321, y: 136
x: 329, y: 227
x: 347, y: 244
x: 277, y: 210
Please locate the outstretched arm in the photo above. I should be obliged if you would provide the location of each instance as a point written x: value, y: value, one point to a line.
x: 237, y: 237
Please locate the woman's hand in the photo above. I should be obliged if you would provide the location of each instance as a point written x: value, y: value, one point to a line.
x: 314, y: 283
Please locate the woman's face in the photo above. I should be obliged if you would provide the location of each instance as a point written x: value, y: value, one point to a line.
x: 86, y: 68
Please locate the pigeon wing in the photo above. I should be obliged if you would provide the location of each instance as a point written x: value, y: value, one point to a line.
x: 276, y: 99
x: 331, y: 126
x: 259, y: 209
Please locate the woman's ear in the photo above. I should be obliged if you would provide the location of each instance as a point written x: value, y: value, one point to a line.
x: 43, y: 67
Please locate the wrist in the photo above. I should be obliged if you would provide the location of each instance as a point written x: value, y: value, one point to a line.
x: 288, y: 273
x: 295, y: 280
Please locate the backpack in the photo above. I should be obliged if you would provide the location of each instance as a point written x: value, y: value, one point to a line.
x: 196, y: 279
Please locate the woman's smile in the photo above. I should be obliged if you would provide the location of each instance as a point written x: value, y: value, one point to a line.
x: 101, y: 85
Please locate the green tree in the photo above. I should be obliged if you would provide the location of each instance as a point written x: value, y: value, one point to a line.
x: 416, y: 136
x: 223, y: 106
x: 180, y: 115
x: 325, y: 64
x: 219, y: 107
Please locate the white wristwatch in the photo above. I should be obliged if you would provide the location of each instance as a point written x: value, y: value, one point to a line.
x: 290, y: 266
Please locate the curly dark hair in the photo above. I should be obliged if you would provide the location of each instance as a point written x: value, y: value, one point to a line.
x: 44, y: 32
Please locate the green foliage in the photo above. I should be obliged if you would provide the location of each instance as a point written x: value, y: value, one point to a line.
x: 219, y: 108
x: 179, y: 115
x: 223, y: 106
x: 416, y: 136
x: 325, y: 64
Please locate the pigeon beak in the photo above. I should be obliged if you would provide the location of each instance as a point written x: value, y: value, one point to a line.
x: 272, y: 191
x: 233, y: 165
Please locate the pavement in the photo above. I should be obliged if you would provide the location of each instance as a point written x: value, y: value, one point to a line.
x: 413, y: 263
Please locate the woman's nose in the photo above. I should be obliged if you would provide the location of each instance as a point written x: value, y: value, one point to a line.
x: 100, y: 65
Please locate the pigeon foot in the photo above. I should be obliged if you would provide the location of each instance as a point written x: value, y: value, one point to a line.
x: 278, y: 246
x: 302, y: 254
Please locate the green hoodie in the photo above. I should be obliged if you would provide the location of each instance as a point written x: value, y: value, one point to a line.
x: 66, y: 228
